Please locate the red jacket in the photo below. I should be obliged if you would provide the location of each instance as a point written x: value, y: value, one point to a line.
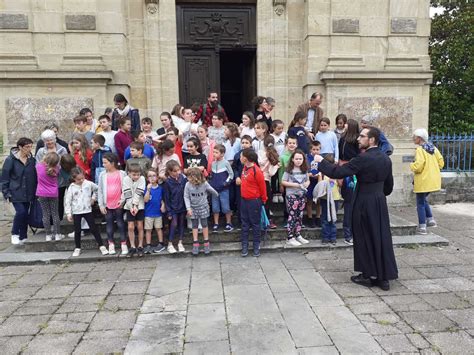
x: 253, y: 184
x: 85, y: 166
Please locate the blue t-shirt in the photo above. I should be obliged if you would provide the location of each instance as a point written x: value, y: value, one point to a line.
x: 153, y: 207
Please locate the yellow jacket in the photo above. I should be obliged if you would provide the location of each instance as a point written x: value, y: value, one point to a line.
x: 427, y: 170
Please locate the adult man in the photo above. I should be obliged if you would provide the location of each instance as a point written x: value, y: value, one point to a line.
x: 206, y: 111
x: 373, y: 249
x: 314, y: 113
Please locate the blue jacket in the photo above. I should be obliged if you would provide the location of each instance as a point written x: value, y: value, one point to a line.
x: 147, y: 151
x: 385, y: 145
x: 237, y: 165
x: 173, y: 193
x: 96, y: 165
x: 221, y: 175
x: 134, y: 120
x: 18, y: 180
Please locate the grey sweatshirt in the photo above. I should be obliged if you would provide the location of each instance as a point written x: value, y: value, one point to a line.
x: 195, y: 199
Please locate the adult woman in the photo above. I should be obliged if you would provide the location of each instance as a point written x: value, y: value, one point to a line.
x: 55, y: 128
x: 260, y: 110
x: 50, y: 145
x: 19, y: 186
x: 124, y: 109
x: 426, y: 167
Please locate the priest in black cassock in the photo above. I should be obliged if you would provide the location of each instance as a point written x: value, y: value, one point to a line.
x: 373, y: 249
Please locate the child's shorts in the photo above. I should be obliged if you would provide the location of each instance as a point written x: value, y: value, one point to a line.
x: 195, y: 222
x: 153, y: 222
x: 140, y: 216
x: 221, y: 203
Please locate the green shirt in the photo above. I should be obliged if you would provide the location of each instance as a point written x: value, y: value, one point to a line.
x: 284, y: 159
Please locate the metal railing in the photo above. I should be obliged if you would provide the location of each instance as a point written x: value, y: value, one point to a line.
x: 456, y: 150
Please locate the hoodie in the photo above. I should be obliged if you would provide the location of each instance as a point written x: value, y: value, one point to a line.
x: 18, y: 180
x: 173, y: 193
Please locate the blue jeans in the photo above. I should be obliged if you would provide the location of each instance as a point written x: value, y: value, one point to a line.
x: 20, y: 221
x: 221, y: 203
x: 250, y: 213
x: 329, y: 229
x: 422, y: 207
x: 117, y: 215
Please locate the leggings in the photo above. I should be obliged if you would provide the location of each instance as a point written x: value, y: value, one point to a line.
x: 49, y: 206
x: 269, y: 203
x: 89, y: 217
x: 295, y: 205
x: 117, y: 215
x: 177, y: 223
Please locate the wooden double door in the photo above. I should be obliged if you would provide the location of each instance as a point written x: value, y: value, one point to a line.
x: 217, y: 52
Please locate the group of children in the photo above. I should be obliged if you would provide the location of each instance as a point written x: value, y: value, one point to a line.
x: 142, y: 179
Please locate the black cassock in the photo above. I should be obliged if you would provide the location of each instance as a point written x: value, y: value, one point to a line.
x: 373, y: 248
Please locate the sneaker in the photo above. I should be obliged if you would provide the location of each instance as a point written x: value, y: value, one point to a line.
x: 131, y: 252
x: 431, y: 223
x: 104, y: 250
x: 333, y: 243
x: 421, y: 231
x: 58, y: 237
x: 281, y: 199
x: 124, y: 249
x: 49, y: 237
x: 147, y: 249
x: 140, y: 251
x: 324, y: 241
x: 181, y: 247
x: 348, y: 241
x: 293, y: 242
x: 228, y: 228
x: 275, y: 199
x: 171, y: 249
x: 71, y: 235
x: 15, y: 239
x: 111, y: 249
x: 302, y: 240
x: 159, y: 248
x: 272, y: 225
x: 245, y: 252
x: 22, y: 241
x: 215, y: 228
x: 76, y: 252
x: 207, y: 248
x: 195, y: 250
x: 256, y: 252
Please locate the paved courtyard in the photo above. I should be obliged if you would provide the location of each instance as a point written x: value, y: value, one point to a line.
x: 280, y: 303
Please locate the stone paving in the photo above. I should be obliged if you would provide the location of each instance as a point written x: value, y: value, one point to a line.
x: 280, y: 303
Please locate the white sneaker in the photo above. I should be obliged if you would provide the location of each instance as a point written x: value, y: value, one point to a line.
x: 124, y: 249
x: 431, y: 223
x: 76, y: 252
x: 71, y: 235
x: 181, y: 247
x: 111, y: 248
x: 103, y: 250
x: 293, y: 242
x: 171, y: 249
x: 15, y: 239
x: 59, y: 236
x: 302, y: 240
x: 22, y: 241
x: 275, y: 199
x: 281, y: 199
x: 421, y: 231
x: 49, y: 237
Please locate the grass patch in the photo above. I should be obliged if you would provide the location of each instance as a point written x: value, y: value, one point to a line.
x: 384, y: 322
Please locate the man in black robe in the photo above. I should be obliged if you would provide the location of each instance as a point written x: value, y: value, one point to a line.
x: 373, y: 249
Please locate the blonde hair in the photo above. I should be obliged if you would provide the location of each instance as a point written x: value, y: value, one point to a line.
x: 195, y: 176
x: 51, y: 160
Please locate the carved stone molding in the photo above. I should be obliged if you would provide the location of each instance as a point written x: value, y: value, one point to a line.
x: 279, y: 6
x: 152, y: 6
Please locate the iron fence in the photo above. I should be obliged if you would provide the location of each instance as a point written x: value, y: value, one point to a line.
x: 456, y: 150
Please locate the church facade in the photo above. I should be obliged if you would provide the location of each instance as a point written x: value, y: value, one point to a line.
x: 366, y: 57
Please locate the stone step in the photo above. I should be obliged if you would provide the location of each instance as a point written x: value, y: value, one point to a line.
x: 18, y: 255
x: 37, y: 243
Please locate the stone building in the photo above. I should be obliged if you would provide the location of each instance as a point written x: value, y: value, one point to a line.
x: 365, y: 56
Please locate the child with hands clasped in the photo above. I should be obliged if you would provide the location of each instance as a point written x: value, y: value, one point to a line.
x: 79, y: 199
x: 246, y: 128
x: 154, y: 207
x: 195, y: 198
x: 296, y: 181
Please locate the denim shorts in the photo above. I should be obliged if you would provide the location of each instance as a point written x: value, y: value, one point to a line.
x: 221, y: 203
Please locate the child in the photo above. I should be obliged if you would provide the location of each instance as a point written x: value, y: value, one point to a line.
x: 110, y: 193
x: 253, y: 196
x: 67, y: 163
x: 237, y: 166
x: 122, y: 139
x: 221, y: 177
x: 137, y: 157
x: 297, y: 129
x: 328, y: 139
x: 247, y: 125
x: 173, y: 135
x: 107, y: 132
x: 341, y: 121
x: 269, y: 162
x: 154, y: 206
x: 133, y: 188
x: 195, y: 199
x: 279, y: 135
x: 261, y: 131
x: 166, y: 122
x: 207, y: 146
x: 82, y: 154
x: 217, y: 131
x: 80, y: 124
x: 313, y: 180
x: 147, y: 129
x: 99, y: 148
x: 296, y: 181
x: 47, y: 191
x: 195, y: 159
x: 173, y: 192
x: 232, y: 141
x: 164, y: 153
x: 139, y: 137
x: 290, y: 146
x: 80, y: 196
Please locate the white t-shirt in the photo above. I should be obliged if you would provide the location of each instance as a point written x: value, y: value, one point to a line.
x: 109, y: 139
x: 247, y: 131
x: 279, y: 142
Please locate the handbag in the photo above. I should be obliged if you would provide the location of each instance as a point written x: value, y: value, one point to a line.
x: 35, y: 217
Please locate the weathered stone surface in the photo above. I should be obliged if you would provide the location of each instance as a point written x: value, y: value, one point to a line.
x: 403, y: 303
x: 130, y: 287
x: 39, y: 306
x: 213, y: 290
x: 113, y: 320
x: 345, y: 25
x: 206, y: 322
x: 81, y: 304
x: 54, y: 291
x: 93, y: 289
x: 45, y: 344
x: 403, y: 25
x: 8, y: 307
x: 116, y: 303
x: 445, y: 300
x: 427, y: 321
x: 14, y: 345
x: 80, y: 22
x: 207, y: 347
x: 13, y: 22
x: 102, y: 345
x: 463, y: 317
x: 68, y: 322
x: 451, y: 342
x: 396, y: 344
x: 23, y: 325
